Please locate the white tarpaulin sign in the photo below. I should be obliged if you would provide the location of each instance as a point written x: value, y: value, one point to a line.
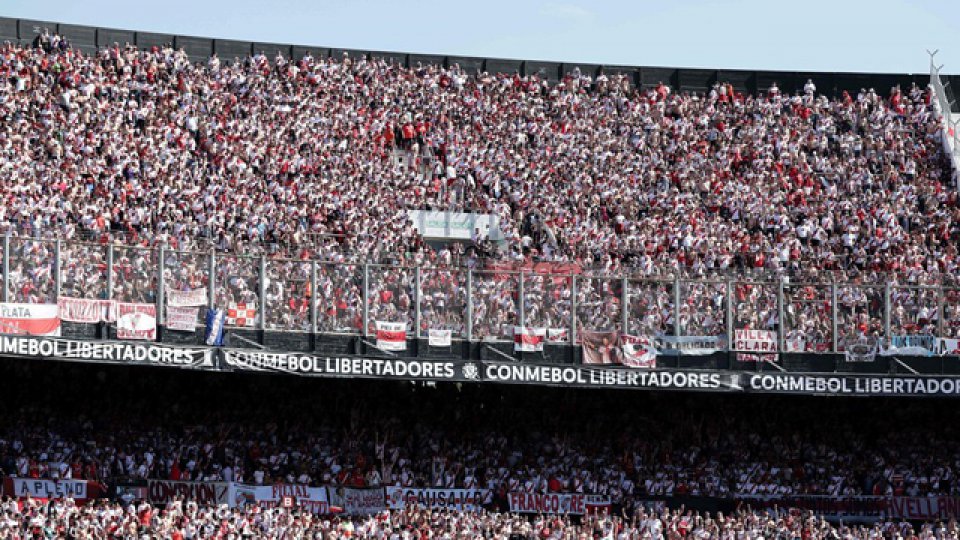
x: 391, y: 336
x: 182, y: 318
x: 87, y: 311
x: 755, y: 341
x: 30, y: 319
x: 357, y: 501
x: 557, y: 503
x: 194, y: 298
x: 527, y: 339
x: 311, y: 499
x: 440, y: 338
x: 136, y: 321
x: 454, y: 225
x: 399, y: 498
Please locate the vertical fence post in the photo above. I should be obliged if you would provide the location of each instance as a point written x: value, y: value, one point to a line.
x: 417, y: 278
x: 729, y: 284
x: 57, y: 268
x: 161, y: 292
x: 366, y: 299
x: 469, y: 313
x: 941, y: 291
x: 886, y: 312
x: 624, y: 311
x: 573, y: 309
x: 212, y: 280
x: 110, y: 272
x: 833, y: 316
x: 6, y: 267
x: 263, y: 292
x: 522, y: 300
x: 676, y: 306
x: 781, y: 326
x: 314, y: 298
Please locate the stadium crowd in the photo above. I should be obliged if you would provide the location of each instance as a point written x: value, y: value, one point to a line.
x: 320, y: 158
x: 181, y: 520
x: 111, y: 426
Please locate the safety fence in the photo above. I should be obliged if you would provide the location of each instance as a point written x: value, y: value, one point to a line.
x: 479, y: 304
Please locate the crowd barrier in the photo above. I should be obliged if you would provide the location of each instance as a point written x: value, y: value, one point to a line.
x: 89, y: 39
x: 443, y: 305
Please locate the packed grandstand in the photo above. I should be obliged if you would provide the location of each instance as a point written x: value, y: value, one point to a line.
x: 291, y: 176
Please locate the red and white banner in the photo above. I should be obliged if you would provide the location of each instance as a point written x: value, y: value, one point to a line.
x: 241, y: 314
x: 527, y: 339
x: 86, y: 310
x: 755, y: 341
x: 391, y: 336
x: 638, y: 352
x: 204, y: 493
x: 558, y: 335
x: 440, y: 338
x: 182, y: 318
x: 311, y: 499
x: 30, y: 319
x: 78, y: 490
x: 194, y: 298
x: 357, y: 501
x: 136, y: 321
x: 557, y: 503
x: 399, y: 498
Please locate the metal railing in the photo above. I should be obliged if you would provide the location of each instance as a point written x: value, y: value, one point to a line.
x: 293, y: 295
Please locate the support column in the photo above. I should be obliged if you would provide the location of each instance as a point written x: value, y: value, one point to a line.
x: 263, y: 293
x: 161, y: 289
x: 833, y: 309
x: 781, y: 327
x: 573, y: 309
x: 886, y: 312
x: 110, y: 272
x: 730, y: 313
x: 676, y: 306
x: 314, y: 298
x: 417, y: 321
x: 212, y: 280
x: 624, y: 310
x: 57, y: 268
x: 469, y: 314
x: 366, y: 299
x: 521, y: 304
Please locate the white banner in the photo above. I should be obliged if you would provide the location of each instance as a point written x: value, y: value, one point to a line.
x: 527, y: 339
x: 182, y: 318
x: 136, y: 321
x: 391, y: 336
x: 638, y: 352
x: 49, y: 489
x: 30, y: 319
x: 455, y: 225
x: 311, y: 499
x: 755, y: 341
x: 556, y: 503
x: 87, y: 311
x: 558, y: 335
x: 399, y: 498
x: 357, y: 501
x: 440, y: 338
x: 194, y: 298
